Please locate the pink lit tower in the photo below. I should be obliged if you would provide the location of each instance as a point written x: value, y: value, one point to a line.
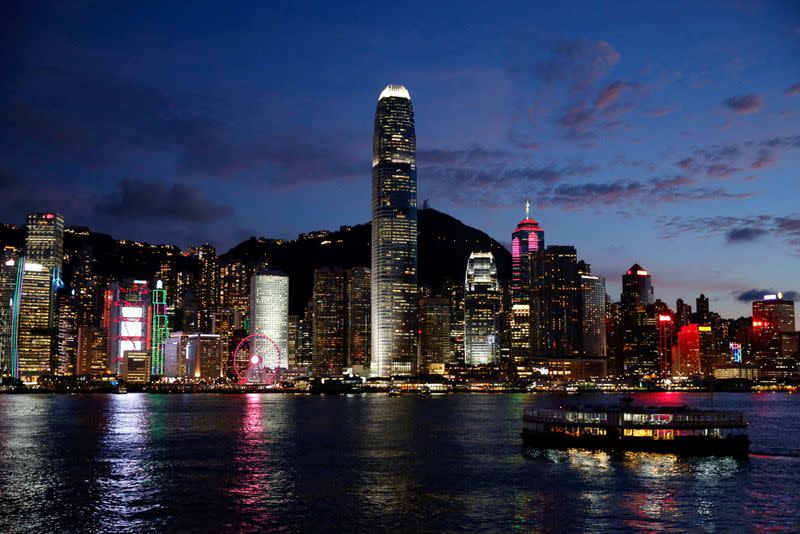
x: 526, y: 242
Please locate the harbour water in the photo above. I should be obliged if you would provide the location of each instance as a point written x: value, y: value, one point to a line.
x: 139, y: 462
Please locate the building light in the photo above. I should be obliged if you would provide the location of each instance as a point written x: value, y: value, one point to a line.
x: 704, y: 328
x: 664, y: 318
x: 34, y: 267
x: 770, y: 297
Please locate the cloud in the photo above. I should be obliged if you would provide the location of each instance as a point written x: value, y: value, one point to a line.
x: 793, y: 90
x: 144, y: 200
x: 737, y: 229
x: 720, y: 170
x: 764, y: 158
x: 743, y: 104
x: 611, y: 93
x: 577, y: 63
x: 577, y: 119
x: 737, y: 235
x: 657, y: 113
x: 751, y: 295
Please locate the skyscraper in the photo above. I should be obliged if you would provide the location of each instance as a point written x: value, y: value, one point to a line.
x: 434, y: 338
x: 358, y: 318
x: 772, y: 316
x: 160, y: 329
x: 8, y: 278
x: 394, y: 235
x: 559, y: 315
x: 129, y: 325
x: 330, y: 320
x: 269, y: 315
x: 527, y: 240
x: 639, y: 325
x: 481, y: 310
x: 593, y: 314
x: 34, y: 331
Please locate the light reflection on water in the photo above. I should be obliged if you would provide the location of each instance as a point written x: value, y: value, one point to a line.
x: 363, y: 463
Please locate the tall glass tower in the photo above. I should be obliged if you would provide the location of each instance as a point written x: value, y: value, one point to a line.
x: 527, y: 241
x: 394, y: 235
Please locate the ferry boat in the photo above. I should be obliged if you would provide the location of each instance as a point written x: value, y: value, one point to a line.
x: 677, y: 429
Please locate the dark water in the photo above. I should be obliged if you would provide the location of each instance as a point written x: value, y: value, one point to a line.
x: 141, y: 462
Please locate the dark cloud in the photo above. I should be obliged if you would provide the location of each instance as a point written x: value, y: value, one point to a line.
x: 738, y: 235
x: 573, y: 196
x: 743, y: 104
x: 751, y: 295
x: 474, y: 155
x: 577, y: 120
x: 793, y: 90
x: 97, y: 119
x: 737, y: 229
x: 685, y: 163
x: 156, y: 201
x: 578, y: 63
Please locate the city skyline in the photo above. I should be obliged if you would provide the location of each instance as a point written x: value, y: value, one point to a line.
x: 686, y: 160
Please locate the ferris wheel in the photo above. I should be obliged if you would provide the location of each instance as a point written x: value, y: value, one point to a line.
x: 256, y: 359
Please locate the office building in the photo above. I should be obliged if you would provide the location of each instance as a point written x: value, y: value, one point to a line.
x: 269, y: 315
x: 593, y: 314
x: 527, y: 241
x: 434, y: 337
x: 358, y: 318
x: 92, y: 357
x: 482, y: 302
x: 8, y: 278
x: 639, y: 323
x: 559, y: 310
x: 394, y: 235
x: 772, y: 317
x: 330, y: 320
x: 129, y: 324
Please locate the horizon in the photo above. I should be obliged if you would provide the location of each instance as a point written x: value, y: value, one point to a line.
x: 665, y: 143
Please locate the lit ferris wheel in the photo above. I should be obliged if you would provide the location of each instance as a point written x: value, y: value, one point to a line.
x: 256, y: 359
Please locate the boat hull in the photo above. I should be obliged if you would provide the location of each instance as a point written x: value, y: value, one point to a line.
x: 685, y: 446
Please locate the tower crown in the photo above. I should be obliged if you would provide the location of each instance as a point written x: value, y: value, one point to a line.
x: 398, y: 91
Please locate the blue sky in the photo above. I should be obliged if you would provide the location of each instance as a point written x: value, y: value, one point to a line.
x: 659, y: 133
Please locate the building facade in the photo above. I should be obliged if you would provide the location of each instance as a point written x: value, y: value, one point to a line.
x: 434, y: 337
x: 330, y: 320
x: 394, y: 235
x: 358, y: 318
x: 527, y: 241
x: 593, y: 315
x: 639, y: 326
x: 482, y: 303
x: 269, y: 315
x: 772, y: 316
x: 129, y: 323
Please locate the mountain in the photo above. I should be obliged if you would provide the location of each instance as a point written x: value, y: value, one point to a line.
x: 445, y: 244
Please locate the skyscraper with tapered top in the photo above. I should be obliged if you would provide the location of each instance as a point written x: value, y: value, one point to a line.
x: 527, y: 241
x: 394, y: 235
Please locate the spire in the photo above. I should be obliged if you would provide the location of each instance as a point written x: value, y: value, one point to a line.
x: 527, y: 208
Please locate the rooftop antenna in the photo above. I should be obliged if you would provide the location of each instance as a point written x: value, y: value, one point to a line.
x: 527, y: 208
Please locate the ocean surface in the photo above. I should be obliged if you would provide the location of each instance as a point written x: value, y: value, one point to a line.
x: 371, y: 463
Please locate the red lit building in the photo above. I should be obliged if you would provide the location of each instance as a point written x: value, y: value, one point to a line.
x: 772, y: 317
x: 688, y: 355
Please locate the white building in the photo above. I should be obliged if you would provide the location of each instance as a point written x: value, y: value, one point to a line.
x: 269, y: 315
x: 481, y: 310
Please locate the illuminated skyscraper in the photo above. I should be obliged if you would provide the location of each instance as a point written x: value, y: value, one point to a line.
x: 434, y: 338
x: 558, y: 285
x: 159, y: 330
x: 8, y: 278
x: 269, y: 313
x: 207, y: 291
x: 129, y: 326
x: 639, y: 325
x: 593, y: 314
x: 394, y: 235
x: 330, y: 320
x: 772, y: 316
x: 67, y: 353
x: 481, y: 310
x: 34, y: 332
x: 526, y: 242
x: 358, y: 317
x: 688, y: 361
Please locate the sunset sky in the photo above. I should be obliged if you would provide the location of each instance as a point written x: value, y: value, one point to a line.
x: 663, y: 133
